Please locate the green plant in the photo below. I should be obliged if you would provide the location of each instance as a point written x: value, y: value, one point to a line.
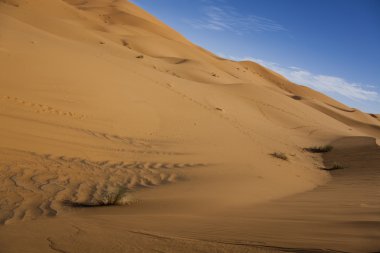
x: 113, y: 198
x: 118, y: 198
x: 319, y: 149
x: 280, y: 155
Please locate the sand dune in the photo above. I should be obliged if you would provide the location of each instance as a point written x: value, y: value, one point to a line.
x: 98, y: 96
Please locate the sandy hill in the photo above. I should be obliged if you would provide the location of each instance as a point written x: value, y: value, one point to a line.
x: 99, y: 95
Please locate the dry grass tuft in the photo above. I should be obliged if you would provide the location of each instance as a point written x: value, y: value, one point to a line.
x: 335, y: 166
x: 119, y: 198
x: 319, y: 149
x: 296, y: 97
x: 280, y: 155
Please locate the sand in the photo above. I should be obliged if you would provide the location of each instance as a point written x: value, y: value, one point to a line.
x: 99, y: 98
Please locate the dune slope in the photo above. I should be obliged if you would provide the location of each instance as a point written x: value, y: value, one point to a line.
x: 99, y: 97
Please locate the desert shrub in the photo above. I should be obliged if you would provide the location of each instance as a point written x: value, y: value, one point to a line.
x: 373, y: 115
x: 296, y: 97
x: 280, y: 155
x: 117, y: 198
x: 335, y: 166
x: 319, y: 149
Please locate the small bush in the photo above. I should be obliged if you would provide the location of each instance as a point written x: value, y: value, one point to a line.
x: 140, y: 57
x: 118, y: 198
x: 319, y: 149
x: 279, y: 155
x: 295, y: 97
x: 335, y: 166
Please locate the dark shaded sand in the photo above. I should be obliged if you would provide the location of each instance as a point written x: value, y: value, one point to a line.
x: 343, y: 215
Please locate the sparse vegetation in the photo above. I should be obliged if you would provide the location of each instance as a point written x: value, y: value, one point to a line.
x: 295, y: 97
x: 118, y: 198
x: 319, y: 149
x: 335, y: 166
x: 280, y: 155
x: 140, y: 57
x: 124, y: 43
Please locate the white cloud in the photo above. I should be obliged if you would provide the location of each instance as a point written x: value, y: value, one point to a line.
x: 323, y: 83
x: 332, y: 84
x: 225, y: 18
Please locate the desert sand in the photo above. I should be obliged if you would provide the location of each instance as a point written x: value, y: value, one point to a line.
x: 101, y: 102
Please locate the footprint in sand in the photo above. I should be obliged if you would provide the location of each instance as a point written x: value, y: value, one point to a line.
x: 42, y: 108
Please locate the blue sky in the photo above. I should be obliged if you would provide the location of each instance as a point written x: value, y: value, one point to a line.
x: 329, y: 45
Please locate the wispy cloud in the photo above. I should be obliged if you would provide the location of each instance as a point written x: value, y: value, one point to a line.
x: 324, y: 83
x: 227, y: 18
